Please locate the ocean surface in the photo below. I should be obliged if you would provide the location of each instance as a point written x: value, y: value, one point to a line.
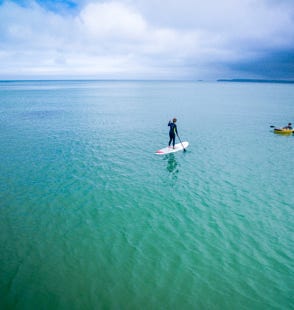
x: 91, y: 218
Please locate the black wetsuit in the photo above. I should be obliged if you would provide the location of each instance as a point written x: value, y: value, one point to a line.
x: 172, y: 133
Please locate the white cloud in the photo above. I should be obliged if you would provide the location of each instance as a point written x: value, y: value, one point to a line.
x: 111, y: 20
x: 140, y: 38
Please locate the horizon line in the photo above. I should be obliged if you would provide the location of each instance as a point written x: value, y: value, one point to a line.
x: 234, y: 80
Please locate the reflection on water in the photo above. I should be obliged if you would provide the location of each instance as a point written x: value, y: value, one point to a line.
x: 172, y: 164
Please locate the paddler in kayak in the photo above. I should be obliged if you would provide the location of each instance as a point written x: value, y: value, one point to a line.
x: 173, y: 131
x: 289, y: 126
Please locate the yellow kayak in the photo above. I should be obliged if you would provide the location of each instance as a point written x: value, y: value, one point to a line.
x: 283, y: 131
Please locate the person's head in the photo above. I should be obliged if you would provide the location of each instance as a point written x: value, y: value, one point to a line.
x: 174, y: 120
x: 289, y: 124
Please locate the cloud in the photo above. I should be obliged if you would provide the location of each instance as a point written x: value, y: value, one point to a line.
x: 104, y: 38
x: 144, y: 39
x: 112, y: 20
x: 279, y: 65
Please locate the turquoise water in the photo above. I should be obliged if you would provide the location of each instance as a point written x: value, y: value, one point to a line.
x: 91, y: 218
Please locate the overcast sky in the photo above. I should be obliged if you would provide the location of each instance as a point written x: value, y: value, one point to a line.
x: 147, y: 39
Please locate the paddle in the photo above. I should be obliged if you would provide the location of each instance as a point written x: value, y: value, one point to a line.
x: 181, y: 143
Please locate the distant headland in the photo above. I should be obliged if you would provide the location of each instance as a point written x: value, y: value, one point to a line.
x: 256, y: 81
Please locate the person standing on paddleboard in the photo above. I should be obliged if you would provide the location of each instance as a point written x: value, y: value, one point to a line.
x: 173, y: 131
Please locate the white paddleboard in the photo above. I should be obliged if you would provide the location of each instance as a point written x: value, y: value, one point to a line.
x: 168, y: 150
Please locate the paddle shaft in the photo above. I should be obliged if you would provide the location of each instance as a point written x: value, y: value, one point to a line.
x: 181, y: 143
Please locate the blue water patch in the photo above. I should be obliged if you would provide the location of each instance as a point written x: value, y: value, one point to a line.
x: 91, y: 218
x: 37, y: 115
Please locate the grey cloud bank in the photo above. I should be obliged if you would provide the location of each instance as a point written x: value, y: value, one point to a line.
x: 147, y: 39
